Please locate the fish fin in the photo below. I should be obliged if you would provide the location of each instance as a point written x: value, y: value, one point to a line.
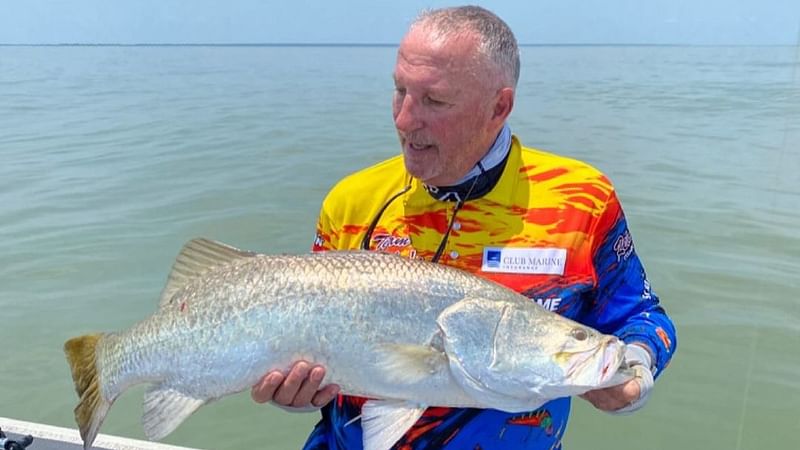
x: 92, y: 408
x: 197, y: 257
x: 405, y: 363
x: 164, y: 409
x: 384, y: 422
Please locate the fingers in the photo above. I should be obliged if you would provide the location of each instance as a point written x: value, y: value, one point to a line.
x: 308, y: 387
x: 603, y: 401
x: 324, y: 396
x: 299, y: 388
x: 644, y: 381
x: 614, y: 397
x: 287, y: 391
x: 264, y: 390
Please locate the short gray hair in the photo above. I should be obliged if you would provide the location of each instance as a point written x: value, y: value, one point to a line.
x: 496, y: 40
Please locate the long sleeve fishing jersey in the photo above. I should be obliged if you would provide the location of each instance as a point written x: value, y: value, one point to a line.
x: 552, y: 228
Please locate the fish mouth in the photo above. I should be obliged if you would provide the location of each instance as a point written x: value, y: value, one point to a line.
x: 611, y: 361
x: 605, y: 366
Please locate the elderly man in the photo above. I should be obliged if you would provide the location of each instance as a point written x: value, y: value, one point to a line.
x: 466, y: 193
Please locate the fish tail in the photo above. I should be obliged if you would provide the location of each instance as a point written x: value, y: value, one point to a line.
x: 92, y: 408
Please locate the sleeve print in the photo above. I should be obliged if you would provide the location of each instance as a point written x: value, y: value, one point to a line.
x: 623, y: 303
x: 326, y: 237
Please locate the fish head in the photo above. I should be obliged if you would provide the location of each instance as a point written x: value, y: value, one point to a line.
x: 520, y: 352
x: 589, y: 359
x: 551, y: 354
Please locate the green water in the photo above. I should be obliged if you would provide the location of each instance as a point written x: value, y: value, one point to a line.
x: 111, y: 158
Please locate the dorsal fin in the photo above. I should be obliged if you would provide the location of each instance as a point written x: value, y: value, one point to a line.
x: 197, y: 257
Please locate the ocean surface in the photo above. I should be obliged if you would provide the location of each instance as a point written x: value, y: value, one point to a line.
x: 112, y: 157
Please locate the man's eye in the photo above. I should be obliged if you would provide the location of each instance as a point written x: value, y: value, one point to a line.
x: 400, y: 91
x: 434, y: 102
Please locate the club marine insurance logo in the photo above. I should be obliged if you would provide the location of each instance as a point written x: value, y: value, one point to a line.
x: 530, y: 260
x: 493, y: 258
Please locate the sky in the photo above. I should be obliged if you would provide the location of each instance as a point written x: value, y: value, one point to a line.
x: 694, y: 22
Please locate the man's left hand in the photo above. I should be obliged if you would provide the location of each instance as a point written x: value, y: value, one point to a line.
x: 631, y: 395
x: 615, y: 397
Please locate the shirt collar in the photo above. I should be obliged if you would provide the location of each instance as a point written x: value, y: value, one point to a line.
x: 502, y: 193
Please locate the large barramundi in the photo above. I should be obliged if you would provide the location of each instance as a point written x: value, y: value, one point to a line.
x: 405, y: 333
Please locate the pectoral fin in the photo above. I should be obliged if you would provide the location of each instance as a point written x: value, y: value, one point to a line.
x: 166, y: 408
x: 384, y: 422
x: 408, y: 364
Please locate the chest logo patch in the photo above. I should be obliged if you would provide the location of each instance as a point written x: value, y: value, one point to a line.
x: 542, y: 261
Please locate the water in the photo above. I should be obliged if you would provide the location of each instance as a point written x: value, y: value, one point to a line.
x: 112, y: 157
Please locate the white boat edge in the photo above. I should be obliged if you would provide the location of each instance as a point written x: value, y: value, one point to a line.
x: 67, y: 435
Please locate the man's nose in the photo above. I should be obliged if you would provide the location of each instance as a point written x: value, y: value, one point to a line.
x: 407, y: 115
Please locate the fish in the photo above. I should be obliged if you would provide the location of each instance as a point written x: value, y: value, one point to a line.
x: 404, y: 333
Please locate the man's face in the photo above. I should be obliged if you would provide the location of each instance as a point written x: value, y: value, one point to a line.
x: 443, y: 107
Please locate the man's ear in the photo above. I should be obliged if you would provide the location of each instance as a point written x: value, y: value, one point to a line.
x: 504, y: 104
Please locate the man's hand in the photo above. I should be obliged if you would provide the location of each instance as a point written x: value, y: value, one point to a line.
x: 615, y: 397
x: 298, y: 389
x: 631, y: 395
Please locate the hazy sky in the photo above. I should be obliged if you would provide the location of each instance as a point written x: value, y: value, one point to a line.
x: 378, y: 21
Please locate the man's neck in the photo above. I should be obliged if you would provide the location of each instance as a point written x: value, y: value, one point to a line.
x: 482, y: 177
x: 494, y: 156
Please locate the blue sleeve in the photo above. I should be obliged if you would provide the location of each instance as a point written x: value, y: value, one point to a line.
x: 623, y: 303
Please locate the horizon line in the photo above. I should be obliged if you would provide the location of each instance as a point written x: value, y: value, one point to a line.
x: 370, y: 44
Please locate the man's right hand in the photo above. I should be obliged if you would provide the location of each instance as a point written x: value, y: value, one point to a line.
x: 297, y: 389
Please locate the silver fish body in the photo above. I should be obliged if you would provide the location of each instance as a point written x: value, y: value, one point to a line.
x: 408, y: 333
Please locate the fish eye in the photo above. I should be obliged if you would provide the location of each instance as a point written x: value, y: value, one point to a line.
x: 579, y: 334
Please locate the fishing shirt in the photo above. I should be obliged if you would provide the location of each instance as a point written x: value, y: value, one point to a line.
x: 552, y: 228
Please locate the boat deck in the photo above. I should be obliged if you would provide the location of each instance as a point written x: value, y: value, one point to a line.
x: 47, y: 437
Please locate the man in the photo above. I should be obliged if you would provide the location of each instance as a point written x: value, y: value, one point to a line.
x: 466, y: 193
